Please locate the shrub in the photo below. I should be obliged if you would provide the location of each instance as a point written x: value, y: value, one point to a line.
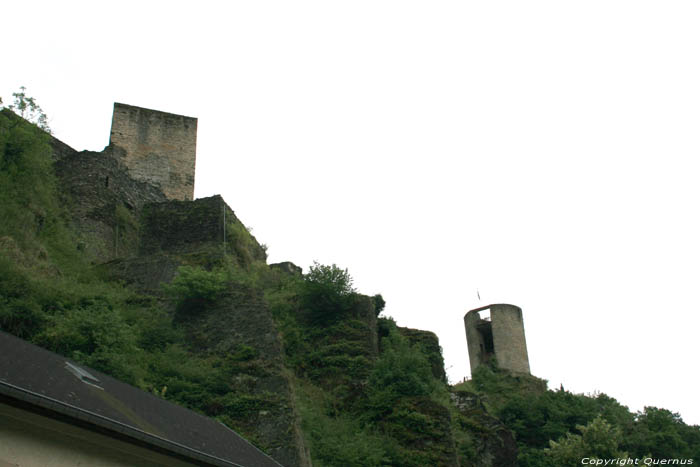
x: 193, y: 288
x: 326, y: 293
x: 241, y: 242
x: 379, y: 304
x: 401, y: 371
x: 21, y: 317
x: 598, y: 440
x: 332, y: 278
x: 28, y: 198
x: 20, y: 313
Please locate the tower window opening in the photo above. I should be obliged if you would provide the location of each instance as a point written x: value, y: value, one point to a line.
x: 486, y: 344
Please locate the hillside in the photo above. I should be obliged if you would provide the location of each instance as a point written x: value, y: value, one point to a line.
x: 176, y: 298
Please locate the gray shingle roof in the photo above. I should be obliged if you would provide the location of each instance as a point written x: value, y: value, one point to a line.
x: 38, y: 378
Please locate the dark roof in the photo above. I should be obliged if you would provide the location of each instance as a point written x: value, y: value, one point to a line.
x: 43, y: 381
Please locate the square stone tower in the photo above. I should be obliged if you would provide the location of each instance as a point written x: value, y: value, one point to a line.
x: 500, y: 336
x: 158, y: 148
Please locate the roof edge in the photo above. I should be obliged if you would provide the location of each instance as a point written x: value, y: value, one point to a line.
x: 82, y: 417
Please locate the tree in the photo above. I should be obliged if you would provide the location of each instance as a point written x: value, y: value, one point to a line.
x: 598, y: 440
x: 327, y: 292
x: 658, y: 431
x: 335, y: 280
x: 27, y: 108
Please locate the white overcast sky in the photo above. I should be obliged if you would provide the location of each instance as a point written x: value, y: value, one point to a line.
x: 542, y: 152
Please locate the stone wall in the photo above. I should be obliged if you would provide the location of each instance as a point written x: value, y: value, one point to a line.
x: 160, y: 148
x: 179, y: 227
x: 104, y: 201
x: 174, y: 233
x: 241, y: 319
x: 429, y: 344
x: 475, y: 340
x: 493, y: 444
x: 182, y: 226
x: 509, y: 338
x: 145, y: 273
x: 59, y: 149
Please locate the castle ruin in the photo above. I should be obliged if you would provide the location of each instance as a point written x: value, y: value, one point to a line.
x: 159, y: 148
x: 500, y: 335
x: 135, y: 197
x: 134, y: 218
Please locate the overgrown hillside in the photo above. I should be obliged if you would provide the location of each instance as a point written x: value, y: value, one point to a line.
x: 302, y: 365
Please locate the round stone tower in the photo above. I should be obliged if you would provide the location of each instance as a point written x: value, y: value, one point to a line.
x: 501, y: 335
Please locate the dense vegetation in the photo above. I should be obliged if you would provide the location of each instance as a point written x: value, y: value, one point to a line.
x: 556, y: 428
x: 367, y: 392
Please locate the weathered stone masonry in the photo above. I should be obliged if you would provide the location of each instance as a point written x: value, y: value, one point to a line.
x: 100, y: 189
x: 159, y: 148
x: 501, y: 337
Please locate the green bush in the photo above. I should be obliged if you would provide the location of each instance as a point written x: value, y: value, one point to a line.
x: 21, y: 316
x: 31, y: 211
x: 401, y: 371
x: 95, y: 334
x: 27, y: 184
x: 379, y: 304
x: 662, y: 434
x: 156, y: 331
x: 193, y: 288
x: 335, y: 280
x: 240, y: 241
x: 598, y: 440
x: 339, y: 439
x: 326, y: 293
x: 20, y: 313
